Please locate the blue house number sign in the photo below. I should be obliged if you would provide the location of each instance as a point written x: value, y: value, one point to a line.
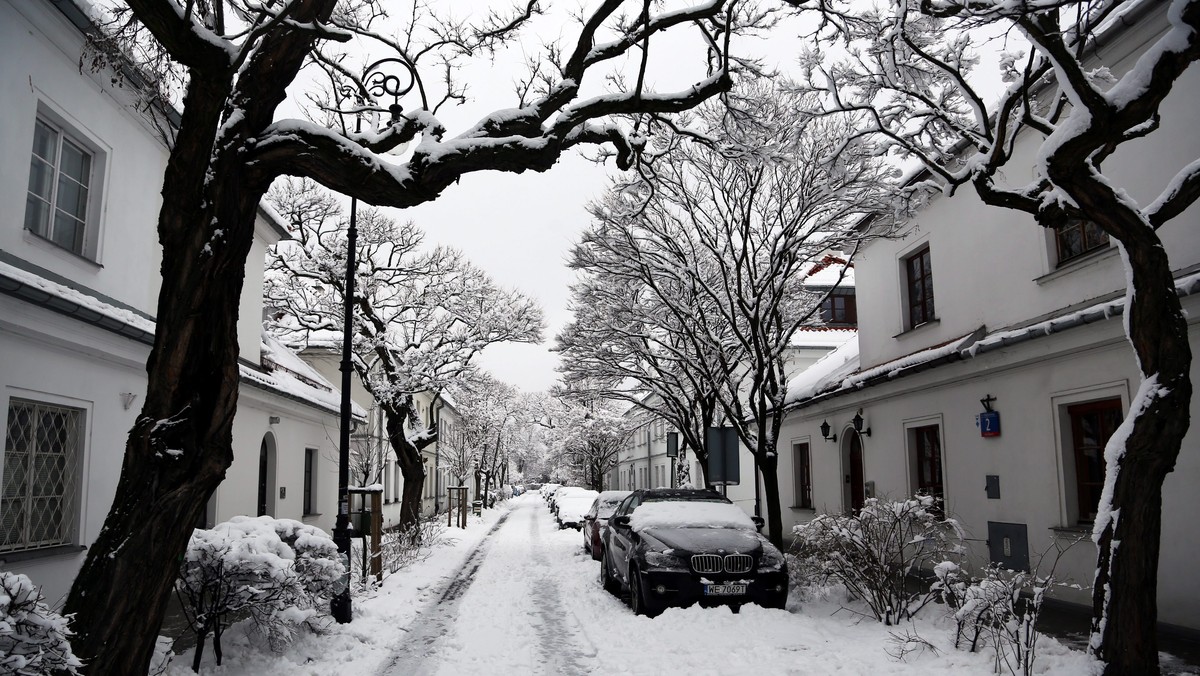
x: 989, y: 424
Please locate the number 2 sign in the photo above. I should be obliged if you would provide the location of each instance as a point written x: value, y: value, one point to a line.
x: 989, y: 424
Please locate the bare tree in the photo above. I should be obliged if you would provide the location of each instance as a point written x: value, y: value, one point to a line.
x: 909, y: 74
x: 231, y: 65
x: 721, y: 236
x: 420, y: 317
x: 624, y: 344
x: 586, y: 433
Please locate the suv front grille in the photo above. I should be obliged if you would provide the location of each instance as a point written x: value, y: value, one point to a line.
x: 715, y: 563
x: 706, y: 563
x: 738, y: 563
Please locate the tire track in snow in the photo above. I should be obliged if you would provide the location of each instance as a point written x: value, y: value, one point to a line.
x: 437, y: 619
x: 559, y: 630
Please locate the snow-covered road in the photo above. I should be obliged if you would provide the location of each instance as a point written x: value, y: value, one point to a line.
x: 528, y: 601
x: 505, y: 610
x: 513, y: 594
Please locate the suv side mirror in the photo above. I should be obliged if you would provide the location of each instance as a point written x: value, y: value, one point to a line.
x: 759, y: 522
x: 621, y: 521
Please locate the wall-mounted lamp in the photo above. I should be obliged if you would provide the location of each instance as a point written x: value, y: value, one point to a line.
x: 825, y: 432
x: 273, y: 420
x: 857, y: 421
x: 127, y: 399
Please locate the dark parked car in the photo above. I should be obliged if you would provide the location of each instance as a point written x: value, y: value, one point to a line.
x: 675, y: 547
x: 597, y: 518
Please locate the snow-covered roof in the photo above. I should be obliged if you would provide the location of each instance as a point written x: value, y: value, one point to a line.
x: 283, y: 372
x: 821, y: 337
x: 838, y: 372
x: 286, y: 373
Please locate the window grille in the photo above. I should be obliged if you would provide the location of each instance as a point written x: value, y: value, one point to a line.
x: 42, y: 446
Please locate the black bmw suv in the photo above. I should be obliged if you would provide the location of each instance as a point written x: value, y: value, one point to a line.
x: 676, y: 547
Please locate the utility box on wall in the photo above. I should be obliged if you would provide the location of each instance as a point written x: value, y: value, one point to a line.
x: 1008, y: 545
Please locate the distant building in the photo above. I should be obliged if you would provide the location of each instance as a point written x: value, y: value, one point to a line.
x: 643, y: 462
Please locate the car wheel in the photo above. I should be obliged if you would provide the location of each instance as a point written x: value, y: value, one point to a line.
x: 606, y: 580
x: 637, y: 597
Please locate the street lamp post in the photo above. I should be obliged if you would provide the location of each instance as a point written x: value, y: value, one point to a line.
x: 378, y: 81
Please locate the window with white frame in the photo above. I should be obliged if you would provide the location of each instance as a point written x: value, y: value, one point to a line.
x: 42, y: 448
x: 61, y: 183
x: 1091, y: 425
x: 918, y: 286
x: 926, y: 460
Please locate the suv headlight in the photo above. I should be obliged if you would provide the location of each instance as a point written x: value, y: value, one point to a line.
x: 771, y: 561
x: 665, y: 561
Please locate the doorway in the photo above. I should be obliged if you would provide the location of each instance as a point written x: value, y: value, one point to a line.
x: 854, y: 486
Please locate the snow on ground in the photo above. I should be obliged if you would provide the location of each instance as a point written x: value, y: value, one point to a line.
x: 527, y: 600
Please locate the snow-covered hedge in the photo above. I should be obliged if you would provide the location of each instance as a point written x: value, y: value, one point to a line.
x: 874, y: 551
x: 278, y: 571
x: 33, y: 638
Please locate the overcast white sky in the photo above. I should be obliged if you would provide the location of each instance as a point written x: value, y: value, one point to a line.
x: 520, y: 227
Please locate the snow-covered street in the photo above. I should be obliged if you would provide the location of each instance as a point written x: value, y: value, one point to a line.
x: 514, y: 594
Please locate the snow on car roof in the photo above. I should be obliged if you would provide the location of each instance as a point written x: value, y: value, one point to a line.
x: 582, y: 496
x: 689, y: 514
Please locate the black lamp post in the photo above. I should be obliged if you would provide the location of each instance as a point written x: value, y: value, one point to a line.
x: 378, y: 81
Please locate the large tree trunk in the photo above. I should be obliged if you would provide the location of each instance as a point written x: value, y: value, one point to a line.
x: 181, y: 444
x: 1125, y: 607
x: 408, y: 457
x: 768, y: 467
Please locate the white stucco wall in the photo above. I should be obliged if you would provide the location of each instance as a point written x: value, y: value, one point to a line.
x: 39, y: 74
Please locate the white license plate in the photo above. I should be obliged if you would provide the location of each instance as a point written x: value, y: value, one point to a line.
x: 724, y: 589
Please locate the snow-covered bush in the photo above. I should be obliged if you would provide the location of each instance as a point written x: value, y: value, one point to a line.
x: 33, y: 638
x: 1000, y: 610
x: 279, y: 572
x: 873, y: 553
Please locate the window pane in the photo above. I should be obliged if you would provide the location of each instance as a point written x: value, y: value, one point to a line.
x: 41, y: 177
x: 12, y: 523
x: 72, y: 198
x: 68, y: 232
x: 1094, y: 236
x: 45, y: 140
x: 76, y: 162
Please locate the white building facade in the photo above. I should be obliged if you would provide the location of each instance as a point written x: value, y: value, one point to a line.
x: 79, y: 277
x: 991, y: 366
